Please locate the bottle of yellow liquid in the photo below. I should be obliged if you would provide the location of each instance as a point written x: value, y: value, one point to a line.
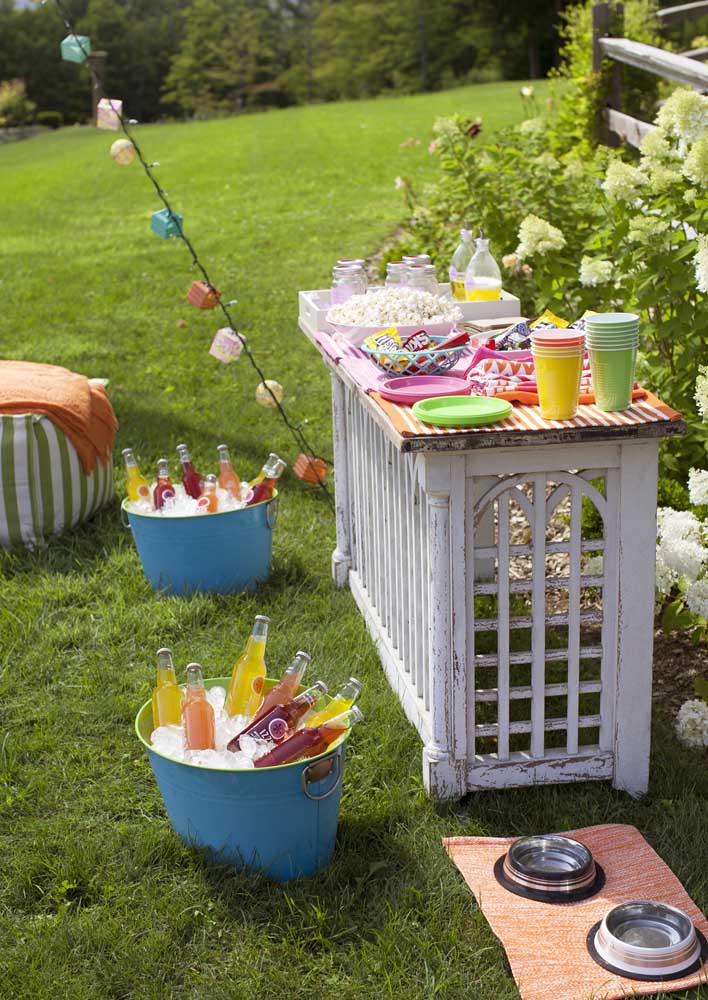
x: 482, y: 277
x: 137, y: 484
x: 459, y: 264
x: 246, y: 685
x: 343, y: 699
x: 167, y: 696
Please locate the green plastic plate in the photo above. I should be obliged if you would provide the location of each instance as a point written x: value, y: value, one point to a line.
x: 461, y: 411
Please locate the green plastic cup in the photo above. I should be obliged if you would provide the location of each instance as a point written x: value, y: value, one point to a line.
x: 613, y: 377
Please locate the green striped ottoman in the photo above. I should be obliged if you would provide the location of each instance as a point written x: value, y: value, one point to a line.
x: 43, y: 487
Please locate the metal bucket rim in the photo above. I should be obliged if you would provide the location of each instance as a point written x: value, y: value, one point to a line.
x: 212, y: 682
x: 190, y: 517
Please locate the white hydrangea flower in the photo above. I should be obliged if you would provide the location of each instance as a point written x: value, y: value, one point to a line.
x: 547, y: 161
x: 695, y: 166
x: 536, y: 236
x: 645, y: 228
x: 665, y: 579
x: 701, y: 393
x: 574, y: 168
x: 698, y: 486
x: 700, y: 263
x: 445, y: 127
x: 654, y: 146
x: 399, y: 183
x: 678, y: 524
x: 663, y: 177
x: 622, y: 181
x: 533, y: 126
x: 692, y: 723
x: 684, y: 115
x: 697, y: 598
x: 690, y: 195
x: 685, y: 558
x: 594, y: 272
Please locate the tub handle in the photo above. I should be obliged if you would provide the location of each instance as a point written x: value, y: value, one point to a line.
x: 124, y: 517
x: 316, y: 772
x: 272, y: 512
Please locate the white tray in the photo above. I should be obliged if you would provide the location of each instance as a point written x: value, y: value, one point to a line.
x: 314, y: 306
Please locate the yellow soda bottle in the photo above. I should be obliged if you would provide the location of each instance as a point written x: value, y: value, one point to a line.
x: 137, y: 484
x: 246, y: 685
x: 343, y: 699
x: 167, y: 696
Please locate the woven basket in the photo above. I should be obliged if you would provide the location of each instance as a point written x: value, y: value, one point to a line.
x: 428, y: 362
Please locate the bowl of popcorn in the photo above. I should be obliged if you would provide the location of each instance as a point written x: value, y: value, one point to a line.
x: 409, y: 310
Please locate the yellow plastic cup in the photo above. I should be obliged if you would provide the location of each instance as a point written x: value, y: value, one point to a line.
x: 558, y: 380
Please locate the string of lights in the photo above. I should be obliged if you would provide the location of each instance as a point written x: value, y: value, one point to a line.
x: 125, y: 124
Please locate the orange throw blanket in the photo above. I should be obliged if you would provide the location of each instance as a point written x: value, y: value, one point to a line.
x: 81, y: 409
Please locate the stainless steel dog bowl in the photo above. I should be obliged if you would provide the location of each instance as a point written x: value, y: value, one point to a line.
x: 646, y: 940
x: 549, y: 868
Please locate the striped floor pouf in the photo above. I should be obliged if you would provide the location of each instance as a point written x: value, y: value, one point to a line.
x: 43, y: 487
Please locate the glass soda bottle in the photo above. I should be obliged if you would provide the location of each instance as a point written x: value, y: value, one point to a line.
x: 164, y: 490
x: 310, y: 742
x: 459, y: 264
x: 208, y: 498
x: 286, y: 688
x: 197, y: 713
x: 191, y: 480
x: 166, y: 696
x: 282, y: 720
x: 343, y: 699
x: 482, y: 277
x: 246, y: 685
x: 263, y: 487
x: 228, y: 480
x: 137, y: 484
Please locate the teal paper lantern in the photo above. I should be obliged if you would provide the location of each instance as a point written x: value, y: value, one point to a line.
x: 166, y: 223
x: 75, y: 48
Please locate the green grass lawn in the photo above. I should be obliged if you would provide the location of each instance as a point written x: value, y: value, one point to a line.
x: 98, y: 898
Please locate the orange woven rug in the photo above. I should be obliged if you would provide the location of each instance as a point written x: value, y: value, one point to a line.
x: 545, y: 944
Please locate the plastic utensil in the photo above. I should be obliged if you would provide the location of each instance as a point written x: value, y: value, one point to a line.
x: 461, y: 411
x: 409, y: 390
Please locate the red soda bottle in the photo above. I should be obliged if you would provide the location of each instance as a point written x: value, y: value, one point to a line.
x: 284, y: 690
x: 164, y: 490
x: 191, y: 480
x: 281, y: 721
x: 310, y: 742
x: 263, y: 486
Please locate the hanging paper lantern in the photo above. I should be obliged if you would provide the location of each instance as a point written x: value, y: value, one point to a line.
x: 226, y: 346
x: 166, y: 223
x: 264, y: 397
x: 108, y: 111
x: 75, y: 48
x: 123, y: 152
x: 310, y: 469
x: 203, y: 295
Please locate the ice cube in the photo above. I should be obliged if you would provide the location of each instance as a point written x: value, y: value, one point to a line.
x: 255, y: 748
x: 216, y: 697
x: 169, y: 740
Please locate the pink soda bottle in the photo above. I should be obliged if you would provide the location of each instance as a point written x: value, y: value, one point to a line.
x: 164, y: 490
x: 191, y: 480
x: 310, y: 742
x: 281, y: 722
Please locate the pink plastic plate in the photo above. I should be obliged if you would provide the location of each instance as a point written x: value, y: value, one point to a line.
x: 408, y: 391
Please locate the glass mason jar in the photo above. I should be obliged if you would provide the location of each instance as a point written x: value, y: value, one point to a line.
x: 347, y: 281
x: 417, y: 258
x: 354, y: 262
x: 396, y: 272
x: 422, y: 276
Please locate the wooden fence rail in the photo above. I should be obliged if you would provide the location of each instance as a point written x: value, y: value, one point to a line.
x: 683, y: 68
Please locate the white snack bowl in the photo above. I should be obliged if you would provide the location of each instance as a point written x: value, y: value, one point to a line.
x: 315, y: 304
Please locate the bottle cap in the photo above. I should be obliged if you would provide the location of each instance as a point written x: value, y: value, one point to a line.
x: 164, y: 651
x: 355, y: 683
x: 263, y: 618
x: 302, y: 655
x: 163, y: 467
x: 211, y: 479
x: 222, y: 447
x: 127, y: 452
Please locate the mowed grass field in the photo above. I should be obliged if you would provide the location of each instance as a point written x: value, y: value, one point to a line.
x: 98, y: 898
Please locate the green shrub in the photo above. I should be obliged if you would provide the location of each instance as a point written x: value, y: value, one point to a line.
x: 50, y: 119
x: 15, y: 108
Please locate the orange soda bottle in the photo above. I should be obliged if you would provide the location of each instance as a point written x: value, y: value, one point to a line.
x: 286, y: 688
x: 208, y: 497
x: 137, y: 484
x: 263, y: 486
x: 228, y: 480
x: 343, y: 699
x: 245, y: 688
x: 166, y: 696
x: 197, y: 713
x: 164, y: 490
x: 310, y: 742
